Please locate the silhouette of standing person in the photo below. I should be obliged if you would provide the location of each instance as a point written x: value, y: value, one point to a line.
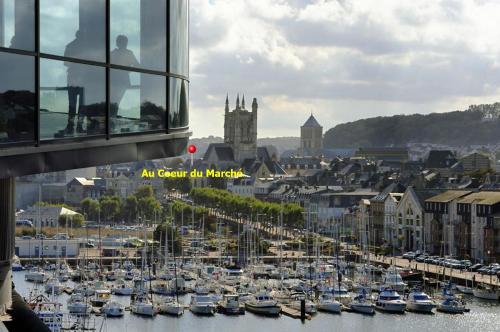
x: 120, y: 80
x: 75, y: 86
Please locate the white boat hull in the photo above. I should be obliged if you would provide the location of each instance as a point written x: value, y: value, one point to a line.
x: 465, y: 290
x: 171, y: 309
x: 79, y: 308
x: 391, y: 307
x: 451, y: 309
x: 113, y: 312
x: 363, y: 308
x: 143, y: 310
x: 422, y: 307
x: 486, y: 294
x: 203, y: 309
x: 263, y: 310
x: 332, y: 307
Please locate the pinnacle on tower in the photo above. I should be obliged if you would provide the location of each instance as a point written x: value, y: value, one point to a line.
x: 254, y: 105
x: 227, y: 103
x: 243, y: 102
x: 238, y: 101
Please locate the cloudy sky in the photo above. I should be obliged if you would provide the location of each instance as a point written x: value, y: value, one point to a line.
x: 341, y: 59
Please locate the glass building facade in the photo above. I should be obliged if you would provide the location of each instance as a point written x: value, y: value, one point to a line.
x: 72, y: 69
x: 77, y: 70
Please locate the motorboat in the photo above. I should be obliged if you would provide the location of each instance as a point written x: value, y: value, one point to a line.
x: 230, y: 305
x: 392, y: 279
x: 142, y: 305
x: 263, y: 304
x: 86, y: 289
x: 202, y: 305
x: 390, y: 301
x: 122, y: 288
x: 162, y: 288
x: 465, y: 289
x: 101, y: 297
x: 113, y: 309
x: 16, y: 264
x: 326, y: 302
x: 54, y: 286
x: 341, y: 294
x: 451, y: 306
x: 486, y: 293
x: 50, y: 313
x: 77, y: 305
x: 418, y: 301
x: 296, y: 303
x: 170, y: 306
x: 362, y: 305
x: 37, y: 276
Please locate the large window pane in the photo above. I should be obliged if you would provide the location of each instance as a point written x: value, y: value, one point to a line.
x: 179, y: 37
x: 178, y: 110
x: 73, y: 28
x: 17, y: 24
x: 72, y: 99
x: 138, y: 102
x: 138, y: 33
x: 17, y: 98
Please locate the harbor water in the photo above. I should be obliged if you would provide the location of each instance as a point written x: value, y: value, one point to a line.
x: 483, y: 316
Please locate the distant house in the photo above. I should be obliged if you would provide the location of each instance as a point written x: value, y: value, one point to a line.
x: 384, y: 153
x: 221, y: 155
x: 476, y: 162
x: 80, y: 188
x: 440, y: 159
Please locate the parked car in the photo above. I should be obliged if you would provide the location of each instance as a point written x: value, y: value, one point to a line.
x: 90, y: 244
x: 475, y: 267
x: 24, y: 223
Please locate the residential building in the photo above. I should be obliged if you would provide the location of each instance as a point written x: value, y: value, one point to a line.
x: 26, y: 248
x: 384, y: 153
x: 480, y: 212
x: 80, y: 188
x: 45, y: 216
x: 476, y: 162
x: 446, y: 233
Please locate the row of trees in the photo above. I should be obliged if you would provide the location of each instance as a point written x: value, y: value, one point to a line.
x: 233, y: 205
x: 112, y: 208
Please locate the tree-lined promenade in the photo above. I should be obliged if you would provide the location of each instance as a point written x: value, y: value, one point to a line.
x: 234, y: 205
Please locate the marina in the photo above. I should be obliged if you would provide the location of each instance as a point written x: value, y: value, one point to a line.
x: 482, y: 315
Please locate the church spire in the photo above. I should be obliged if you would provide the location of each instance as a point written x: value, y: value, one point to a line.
x: 238, y: 101
x: 243, y: 102
x: 227, y: 103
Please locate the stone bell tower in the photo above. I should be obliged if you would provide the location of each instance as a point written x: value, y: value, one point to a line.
x: 240, y: 129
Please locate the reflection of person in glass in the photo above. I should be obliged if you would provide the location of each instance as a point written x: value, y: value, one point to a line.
x: 120, y: 79
x: 75, y: 85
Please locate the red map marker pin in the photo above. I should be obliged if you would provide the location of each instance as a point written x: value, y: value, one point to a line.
x: 192, y: 150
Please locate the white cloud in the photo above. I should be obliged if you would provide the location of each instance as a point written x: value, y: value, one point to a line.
x: 342, y: 59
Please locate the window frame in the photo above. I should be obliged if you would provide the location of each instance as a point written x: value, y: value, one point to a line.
x: 38, y: 56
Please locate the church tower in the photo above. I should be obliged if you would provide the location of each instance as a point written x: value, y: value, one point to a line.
x: 311, y: 138
x: 240, y: 129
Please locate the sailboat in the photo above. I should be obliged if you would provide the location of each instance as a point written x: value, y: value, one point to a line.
x: 140, y: 303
